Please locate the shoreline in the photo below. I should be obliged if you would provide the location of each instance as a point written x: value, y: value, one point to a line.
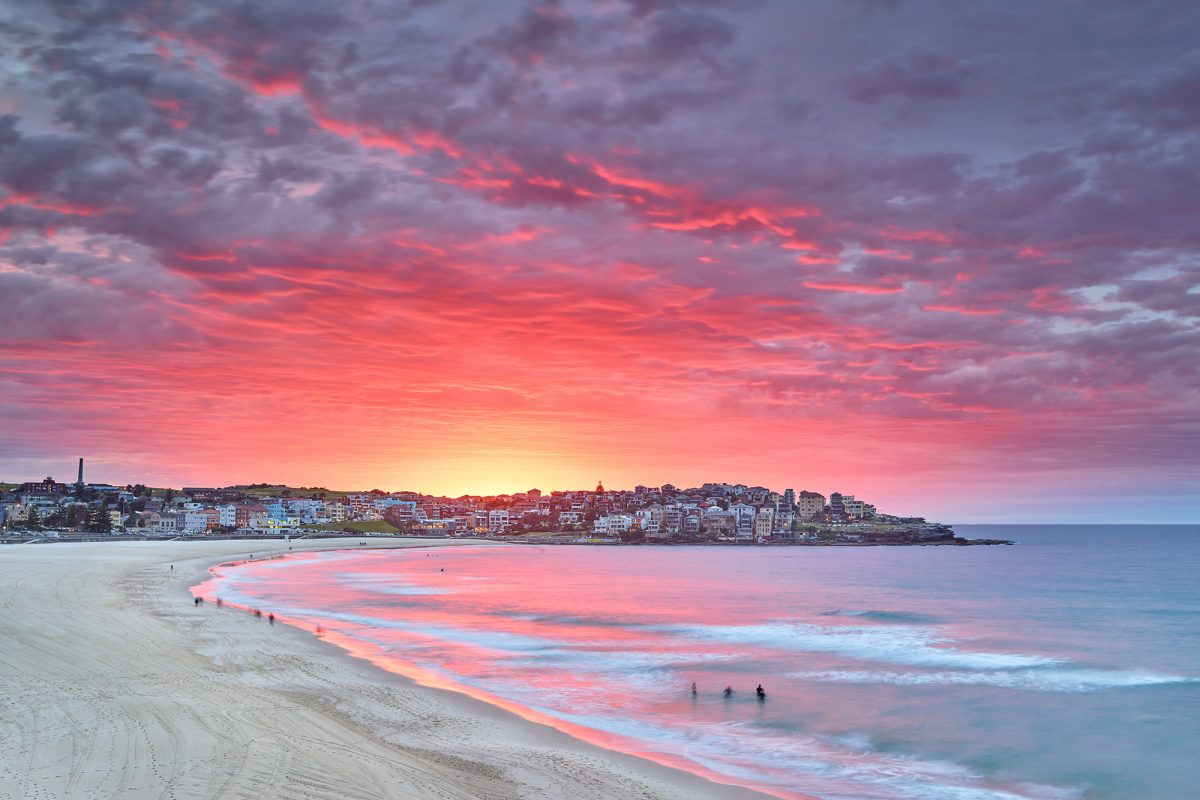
x: 564, y: 539
x: 119, y: 686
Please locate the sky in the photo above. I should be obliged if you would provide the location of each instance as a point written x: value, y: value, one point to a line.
x: 938, y: 255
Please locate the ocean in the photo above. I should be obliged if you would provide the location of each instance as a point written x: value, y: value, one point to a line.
x: 1065, y: 666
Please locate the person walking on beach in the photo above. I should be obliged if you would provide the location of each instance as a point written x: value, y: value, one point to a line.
x: 196, y: 600
x: 271, y: 618
x: 220, y: 602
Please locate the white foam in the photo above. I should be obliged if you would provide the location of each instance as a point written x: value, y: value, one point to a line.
x: 1039, y: 680
x: 833, y: 769
x: 386, y: 584
x: 911, y: 645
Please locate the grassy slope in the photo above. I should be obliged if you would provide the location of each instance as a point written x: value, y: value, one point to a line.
x: 274, y: 491
x: 372, y: 526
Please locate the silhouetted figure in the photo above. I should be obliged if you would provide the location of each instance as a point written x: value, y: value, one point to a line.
x: 271, y: 618
x: 257, y: 613
x: 197, y: 600
x: 320, y: 631
x: 728, y: 691
x: 220, y: 602
x: 761, y: 694
x: 693, y: 688
x: 172, y: 568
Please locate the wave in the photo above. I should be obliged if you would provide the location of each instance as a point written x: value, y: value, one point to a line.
x: 386, y: 584
x: 893, y: 644
x: 886, y: 616
x: 1039, y: 680
x: 842, y: 767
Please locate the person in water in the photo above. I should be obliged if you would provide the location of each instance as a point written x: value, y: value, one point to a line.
x: 759, y: 691
x: 729, y: 691
x: 693, y: 688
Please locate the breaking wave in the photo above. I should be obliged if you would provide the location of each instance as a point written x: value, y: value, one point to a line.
x: 892, y: 644
x: 1038, y: 680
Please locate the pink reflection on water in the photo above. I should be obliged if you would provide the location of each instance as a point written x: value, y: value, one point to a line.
x: 462, y: 602
x: 604, y: 649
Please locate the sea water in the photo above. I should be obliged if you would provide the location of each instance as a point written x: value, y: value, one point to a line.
x: 1065, y: 666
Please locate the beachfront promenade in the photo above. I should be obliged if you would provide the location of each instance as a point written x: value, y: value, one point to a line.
x: 116, y: 686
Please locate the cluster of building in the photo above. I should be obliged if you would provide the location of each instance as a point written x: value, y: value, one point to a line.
x: 711, y: 512
x: 715, y: 512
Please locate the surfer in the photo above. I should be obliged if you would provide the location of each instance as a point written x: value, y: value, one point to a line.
x: 761, y: 694
x: 728, y: 691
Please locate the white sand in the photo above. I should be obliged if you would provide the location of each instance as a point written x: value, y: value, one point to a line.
x: 114, y: 685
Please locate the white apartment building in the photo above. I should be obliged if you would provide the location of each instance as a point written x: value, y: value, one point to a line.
x: 195, y: 522
x: 612, y: 524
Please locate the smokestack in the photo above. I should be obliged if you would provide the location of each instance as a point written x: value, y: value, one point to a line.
x: 80, y: 481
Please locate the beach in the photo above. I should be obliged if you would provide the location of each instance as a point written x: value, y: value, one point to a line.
x: 116, y: 685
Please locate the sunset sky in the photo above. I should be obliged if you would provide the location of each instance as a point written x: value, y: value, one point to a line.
x: 942, y: 256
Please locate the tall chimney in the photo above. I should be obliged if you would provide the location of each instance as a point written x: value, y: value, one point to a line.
x: 80, y: 481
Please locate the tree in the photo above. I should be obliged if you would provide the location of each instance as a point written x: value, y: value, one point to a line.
x: 98, y: 520
x: 33, y: 519
x: 72, y: 516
